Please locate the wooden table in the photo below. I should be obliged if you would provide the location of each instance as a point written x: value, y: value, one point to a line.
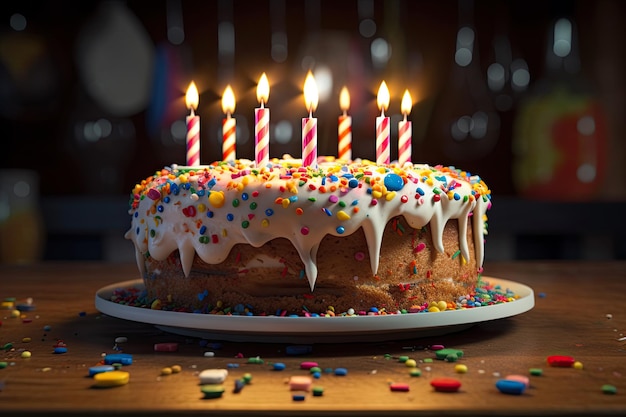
x: 580, y: 312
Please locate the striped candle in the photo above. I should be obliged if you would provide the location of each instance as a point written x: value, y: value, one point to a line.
x: 193, y: 127
x: 344, y: 127
x: 405, y: 131
x: 309, y: 124
x: 262, y: 124
x: 382, y: 127
x: 229, y: 126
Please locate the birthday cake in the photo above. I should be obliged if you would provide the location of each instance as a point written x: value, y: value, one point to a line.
x: 340, y: 238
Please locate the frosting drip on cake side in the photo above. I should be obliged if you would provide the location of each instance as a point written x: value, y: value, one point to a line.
x: 208, y: 209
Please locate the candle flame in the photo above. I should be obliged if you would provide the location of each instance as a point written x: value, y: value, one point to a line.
x: 407, y: 103
x: 383, y: 97
x: 228, y: 101
x: 263, y: 89
x: 344, y: 99
x: 191, y: 98
x: 311, y: 96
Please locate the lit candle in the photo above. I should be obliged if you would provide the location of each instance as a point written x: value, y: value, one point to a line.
x: 262, y: 124
x: 193, y: 126
x: 404, y: 131
x: 229, y: 126
x: 382, y: 127
x: 309, y: 124
x: 345, y: 127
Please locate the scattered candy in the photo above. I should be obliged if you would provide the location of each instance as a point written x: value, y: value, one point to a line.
x: 26, y: 354
x: 519, y: 378
x: 99, y: 369
x: 446, y: 384
x: 121, y: 339
x: 318, y: 391
x: 111, y: 379
x: 123, y: 358
x: 460, y: 369
x: 411, y: 363
x: 341, y: 372
x: 416, y: 372
x: 60, y: 349
x: 536, y: 371
x: 279, y: 366
x: 213, y: 376
x: 209, y: 354
x: 399, y: 387
x: 578, y: 365
x: 561, y: 361
x: 299, y: 383
x: 449, y: 355
x: 211, y: 391
x: 166, y: 371
x: 507, y: 386
x: 298, y: 397
x: 609, y: 389
x: 308, y: 365
x: 176, y: 369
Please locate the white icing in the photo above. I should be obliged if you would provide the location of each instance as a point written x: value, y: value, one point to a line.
x: 163, y: 222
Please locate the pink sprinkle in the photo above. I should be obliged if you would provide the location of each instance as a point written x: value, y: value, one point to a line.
x: 359, y: 256
x: 153, y: 194
x: 399, y: 387
x: 420, y: 247
x: 333, y: 198
x: 304, y: 230
x: 308, y: 365
x: 374, y: 202
x: 436, y: 347
x: 166, y: 347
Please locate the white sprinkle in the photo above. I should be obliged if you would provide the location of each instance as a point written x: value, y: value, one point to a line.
x: 209, y: 354
x: 621, y: 339
x: 609, y: 316
x: 121, y: 339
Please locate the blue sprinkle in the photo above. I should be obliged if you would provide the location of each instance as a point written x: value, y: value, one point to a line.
x: 355, y: 202
x: 166, y: 199
x: 123, y: 358
x: 203, y: 230
x: 174, y: 189
x: 269, y: 212
x: 340, y: 230
x: 316, y: 374
x: 279, y: 366
x: 212, y: 182
x: 232, y: 365
x: 244, y: 196
x: 201, y: 193
x: 60, y: 349
x: 341, y: 372
x: 298, y: 397
x: 160, y: 208
x: 209, y: 214
x: 374, y: 310
x: 456, y: 196
x: 393, y: 182
x: 420, y: 191
x: 328, y: 212
x: 333, y: 178
x: 353, y: 183
x: 293, y: 198
x: 230, y: 217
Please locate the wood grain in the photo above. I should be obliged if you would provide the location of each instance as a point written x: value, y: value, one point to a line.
x: 580, y: 311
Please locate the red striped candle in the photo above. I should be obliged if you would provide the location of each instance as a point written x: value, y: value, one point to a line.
x: 382, y: 127
x: 229, y: 126
x: 262, y: 124
x: 193, y: 127
x: 344, y: 127
x: 309, y: 124
x: 405, y: 131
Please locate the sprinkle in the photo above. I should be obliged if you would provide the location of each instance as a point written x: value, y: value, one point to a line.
x: 304, y: 230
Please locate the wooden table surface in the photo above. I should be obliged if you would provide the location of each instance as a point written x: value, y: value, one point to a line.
x: 579, y: 311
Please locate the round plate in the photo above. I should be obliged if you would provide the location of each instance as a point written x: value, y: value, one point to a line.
x: 316, y: 329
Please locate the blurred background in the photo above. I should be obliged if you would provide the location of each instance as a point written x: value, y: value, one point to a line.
x: 528, y: 94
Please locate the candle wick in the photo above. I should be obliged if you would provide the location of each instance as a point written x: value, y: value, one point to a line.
x: 192, y: 113
x: 228, y: 116
x: 345, y: 113
x: 404, y: 117
x: 310, y: 113
x: 382, y: 112
x: 262, y: 104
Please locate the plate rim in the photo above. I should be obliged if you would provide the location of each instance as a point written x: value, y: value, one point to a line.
x: 338, y: 325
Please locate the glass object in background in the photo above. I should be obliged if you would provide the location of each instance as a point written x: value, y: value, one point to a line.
x: 560, y: 133
x: 465, y: 121
x: 21, y: 224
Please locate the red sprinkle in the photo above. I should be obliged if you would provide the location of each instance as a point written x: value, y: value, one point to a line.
x: 308, y: 365
x: 561, y: 361
x: 165, y: 347
x: 399, y: 387
x: 446, y: 384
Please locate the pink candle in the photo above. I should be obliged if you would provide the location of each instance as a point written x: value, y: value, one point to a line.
x: 404, y: 131
x: 382, y: 127
x: 193, y: 126
x: 309, y: 124
x: 262, y: 124
x: 229, y: 126
x: 345, y: 127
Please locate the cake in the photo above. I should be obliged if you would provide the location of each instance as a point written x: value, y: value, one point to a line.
x: 340, y: 238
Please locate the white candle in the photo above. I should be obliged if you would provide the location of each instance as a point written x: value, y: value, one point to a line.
x: 344, y: 127
x: 382, y: 127
x: 262, y: 124
x: 405, y: 131
x: 309, y: 124
x: 229, y: 126
x: 193, y: 126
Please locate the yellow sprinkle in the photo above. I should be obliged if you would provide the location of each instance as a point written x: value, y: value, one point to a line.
x: 240, y: 186
x: 111, y: 378
x: 411, y: 363
x: 7, y: 305
x: 285, y: 202
x: 26, y: 340
x: 460, y: 368
x: 245, y: 180
x: 156, y: 304
x: 183, y: 178
x: 265, y: 222
x: 429, y: 181
x: 166, y: 371
x: 216, y: 198
x: 377, y: 194
x: 201, y: 208
x: 176, y: 368
x: 433, y: 309
x: 342, y: 215
x: 443, y: 306
x: 578, y: 365
x: 224, y: 232
x: 390, y: 196
x: 26, y: 354
x: 450, y: 195
x: 15, y: 313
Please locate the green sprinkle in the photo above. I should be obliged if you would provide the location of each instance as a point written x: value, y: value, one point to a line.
x: 536, y: 371
x: 245, y: 224
x: 456, y: 254
x: 204, y: 239
x: 609, y: 389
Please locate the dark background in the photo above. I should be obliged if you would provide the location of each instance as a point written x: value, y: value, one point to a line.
x: 50, y: 102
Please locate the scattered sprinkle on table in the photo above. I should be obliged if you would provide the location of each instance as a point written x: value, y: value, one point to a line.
x: 111, y: 379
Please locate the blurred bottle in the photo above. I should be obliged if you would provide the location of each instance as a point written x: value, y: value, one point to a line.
x: 560, y: 134
x: 21, y: 224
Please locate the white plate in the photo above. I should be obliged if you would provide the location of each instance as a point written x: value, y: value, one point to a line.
x: 316, y: 329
